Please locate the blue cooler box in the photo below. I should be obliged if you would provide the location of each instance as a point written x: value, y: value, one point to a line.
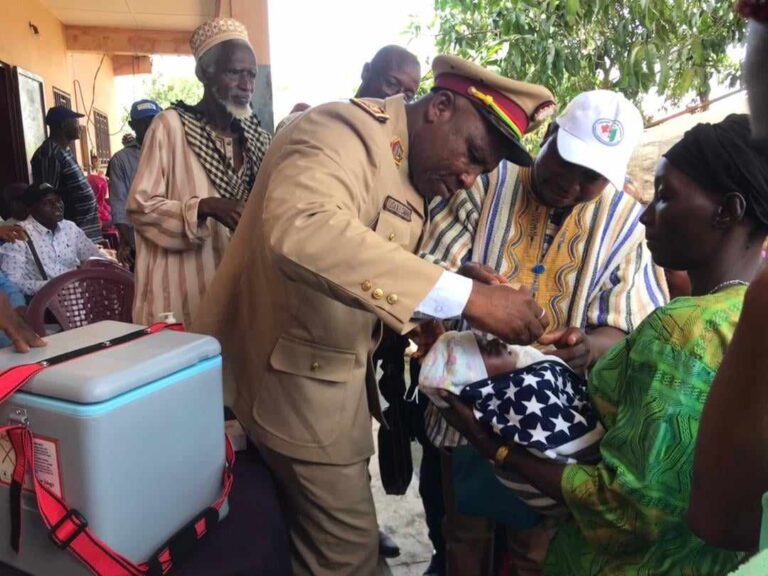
x: 131, y: 436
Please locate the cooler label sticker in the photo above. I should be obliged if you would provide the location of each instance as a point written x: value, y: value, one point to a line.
x: 47, y: 464
x: 7, y: 460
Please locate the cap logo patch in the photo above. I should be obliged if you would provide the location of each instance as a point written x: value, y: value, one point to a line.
x: 608, y: 132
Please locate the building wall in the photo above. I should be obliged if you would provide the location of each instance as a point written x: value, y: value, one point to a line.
x: 45, y: 55
x: 255, y: 15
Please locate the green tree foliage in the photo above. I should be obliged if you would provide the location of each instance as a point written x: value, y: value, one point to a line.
x: 672, y: 47
x: 166, y: 91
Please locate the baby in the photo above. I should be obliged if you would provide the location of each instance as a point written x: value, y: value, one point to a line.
x: 524, y: 395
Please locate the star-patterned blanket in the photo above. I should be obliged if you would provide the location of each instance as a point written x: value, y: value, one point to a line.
x: 545, y: 408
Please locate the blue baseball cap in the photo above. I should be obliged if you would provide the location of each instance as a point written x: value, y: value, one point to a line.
x: 57, y: 114
x: 145, y: 109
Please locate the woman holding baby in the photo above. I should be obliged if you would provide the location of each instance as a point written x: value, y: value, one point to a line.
x: 709, y: 217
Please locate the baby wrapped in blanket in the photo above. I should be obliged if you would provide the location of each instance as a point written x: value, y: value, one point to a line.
x: 525, y: 396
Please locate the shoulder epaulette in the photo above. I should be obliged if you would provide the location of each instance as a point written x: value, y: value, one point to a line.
x: 372, y: 108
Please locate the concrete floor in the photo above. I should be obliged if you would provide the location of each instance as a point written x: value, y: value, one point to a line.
x: 402, y: 517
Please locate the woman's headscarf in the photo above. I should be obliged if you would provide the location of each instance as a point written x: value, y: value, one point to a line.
x: 722, y: 158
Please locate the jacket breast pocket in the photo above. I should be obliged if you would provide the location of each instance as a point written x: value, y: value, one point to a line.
x: 394, y: 229
x: 305, y: 399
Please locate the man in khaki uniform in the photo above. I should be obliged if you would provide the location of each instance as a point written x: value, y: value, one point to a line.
x: 324, y: 250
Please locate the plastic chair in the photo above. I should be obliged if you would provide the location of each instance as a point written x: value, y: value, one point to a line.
x: 103, y: 263
x: 82, y: 297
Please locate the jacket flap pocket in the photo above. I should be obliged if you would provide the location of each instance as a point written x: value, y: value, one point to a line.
x: 312, y: 360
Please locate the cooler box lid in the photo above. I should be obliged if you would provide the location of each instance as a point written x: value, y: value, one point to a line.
x: 103, y: 375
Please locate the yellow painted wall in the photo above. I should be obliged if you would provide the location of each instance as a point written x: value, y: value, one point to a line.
x: 82, y: 67
x: 45, y: 55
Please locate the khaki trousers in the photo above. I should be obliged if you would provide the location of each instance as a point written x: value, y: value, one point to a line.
x: 330, y: 515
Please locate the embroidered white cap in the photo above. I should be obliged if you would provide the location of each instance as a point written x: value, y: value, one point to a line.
x: 599, y: 130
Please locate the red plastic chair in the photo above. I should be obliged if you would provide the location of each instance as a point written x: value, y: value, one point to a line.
x: 82, y: 297
x: 104, y: 264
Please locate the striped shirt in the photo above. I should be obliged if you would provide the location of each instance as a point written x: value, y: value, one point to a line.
x: 596, y: 270
x: 176, y: 254
x: 57, y: 166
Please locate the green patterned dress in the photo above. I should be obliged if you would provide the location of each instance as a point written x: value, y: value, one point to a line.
x: 629, y: 511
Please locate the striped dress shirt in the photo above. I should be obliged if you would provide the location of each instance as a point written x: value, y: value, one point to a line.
x: 589, y: 269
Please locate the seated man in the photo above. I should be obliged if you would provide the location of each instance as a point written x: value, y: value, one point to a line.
x: 54, y: 245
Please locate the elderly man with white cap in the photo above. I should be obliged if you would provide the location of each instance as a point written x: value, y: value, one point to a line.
x: 197, y: 168
x: 564, y: 229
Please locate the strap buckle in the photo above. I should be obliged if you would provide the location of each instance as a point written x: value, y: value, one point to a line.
x: 79, y: 522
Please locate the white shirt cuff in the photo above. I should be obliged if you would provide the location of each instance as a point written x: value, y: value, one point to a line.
x: 447, y: 298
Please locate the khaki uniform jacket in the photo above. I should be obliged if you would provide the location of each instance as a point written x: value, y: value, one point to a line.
x: 324, y: 247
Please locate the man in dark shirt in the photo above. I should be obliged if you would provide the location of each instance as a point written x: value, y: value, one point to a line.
x: 55, y: 164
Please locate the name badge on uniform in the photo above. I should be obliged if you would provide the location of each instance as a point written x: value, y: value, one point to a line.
x: 398, y: 208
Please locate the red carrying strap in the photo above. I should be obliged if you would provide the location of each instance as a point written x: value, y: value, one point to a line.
x: 68, y: 529
x: 13, y: 378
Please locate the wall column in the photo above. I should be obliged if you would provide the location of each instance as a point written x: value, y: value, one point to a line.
x: 254, y: 14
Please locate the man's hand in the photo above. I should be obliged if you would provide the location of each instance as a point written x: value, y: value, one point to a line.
x: 482, y: 273
x: 574, y: 347
x: 425, y: 335
x: 16, y: 328
x: 124, y: 255
x: 124, y: 249
x: 224, y: 210
x: 508, y: 313
x: 12, y: 233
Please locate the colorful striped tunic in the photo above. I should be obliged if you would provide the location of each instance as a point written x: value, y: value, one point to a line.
x: 176, y: 253
x: 587, y: 268
x: 629, y: 511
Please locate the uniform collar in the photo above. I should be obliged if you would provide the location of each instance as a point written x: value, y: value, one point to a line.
x: 394, y: 107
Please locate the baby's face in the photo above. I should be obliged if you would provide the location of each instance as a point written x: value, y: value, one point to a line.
x: 498, y: 357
